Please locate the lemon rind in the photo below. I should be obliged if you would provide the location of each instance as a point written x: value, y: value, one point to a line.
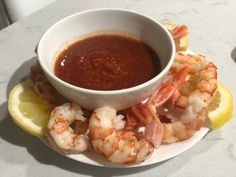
x: 17, y: 117
x: 216, y: 117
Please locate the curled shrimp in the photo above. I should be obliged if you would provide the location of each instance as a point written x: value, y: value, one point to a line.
x: 62, y: 134
x: 188, y: 109
x: 109, y: 138
x: 43, y: 88
x: 147, y: 115
x: 182, y: 99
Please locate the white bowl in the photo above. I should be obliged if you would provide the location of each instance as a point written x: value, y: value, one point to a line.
x: 68, y: 29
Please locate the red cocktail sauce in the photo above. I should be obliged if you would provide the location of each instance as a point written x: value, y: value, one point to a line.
x: 107, y: 62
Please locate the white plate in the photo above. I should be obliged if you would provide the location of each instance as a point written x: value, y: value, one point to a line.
x: 164, y: 152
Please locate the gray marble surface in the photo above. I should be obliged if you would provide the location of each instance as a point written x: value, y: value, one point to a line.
x: 212, y: 33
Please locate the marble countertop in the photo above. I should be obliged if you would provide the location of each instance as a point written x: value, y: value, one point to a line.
x: 212, y: 33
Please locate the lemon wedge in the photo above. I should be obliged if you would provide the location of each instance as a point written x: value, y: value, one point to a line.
x: 182, y: 44
x: 221, y: 107
x: 27, y: 110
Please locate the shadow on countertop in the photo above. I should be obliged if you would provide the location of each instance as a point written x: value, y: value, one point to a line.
x: 15, y: 136
x: 233, y: 54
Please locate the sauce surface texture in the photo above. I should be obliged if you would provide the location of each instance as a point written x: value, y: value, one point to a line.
x: 107, y: 62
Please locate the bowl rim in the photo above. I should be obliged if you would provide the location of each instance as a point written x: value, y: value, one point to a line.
x: 107, y: 92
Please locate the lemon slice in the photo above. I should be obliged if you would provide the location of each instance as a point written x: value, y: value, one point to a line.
x: 182, y: 44
x: 27, y: 110
x: 221, y: 107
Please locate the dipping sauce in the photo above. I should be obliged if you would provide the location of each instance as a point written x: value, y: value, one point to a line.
x: 107, y: 62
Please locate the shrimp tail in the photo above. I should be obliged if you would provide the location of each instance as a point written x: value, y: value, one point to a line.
x: 154, y: 132
x: 179, y: 32
x: 147, y: 117
x: 162, y: 95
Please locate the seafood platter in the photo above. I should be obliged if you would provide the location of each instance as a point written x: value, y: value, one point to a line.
x: 116, y: 88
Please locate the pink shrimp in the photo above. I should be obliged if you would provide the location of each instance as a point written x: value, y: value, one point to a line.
x: 143, y: 113
x: 179, y: 33
x: 109, y: 138
x: 183, y: 99
x: 43, y: 88
x: 187, y: 112
x: 60, y: 132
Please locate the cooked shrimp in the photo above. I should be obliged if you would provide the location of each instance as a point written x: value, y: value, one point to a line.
x: 43, y: 88
x: 61, y: 132
x: 108, y: 137
x: 188, y: 111
x: 146, y: 114
x: 178, y: 33
x: 183, y: 98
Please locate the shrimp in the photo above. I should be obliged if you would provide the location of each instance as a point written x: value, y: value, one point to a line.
x: 182, y: 99
x: 188, y: 110
x: 62, y: 134
x: 44, y: 89
x: 109, y: 138
x: 146, y: 114
x: 178, y: 33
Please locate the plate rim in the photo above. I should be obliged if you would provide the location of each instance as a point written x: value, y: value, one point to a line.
x: 191, y: 142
